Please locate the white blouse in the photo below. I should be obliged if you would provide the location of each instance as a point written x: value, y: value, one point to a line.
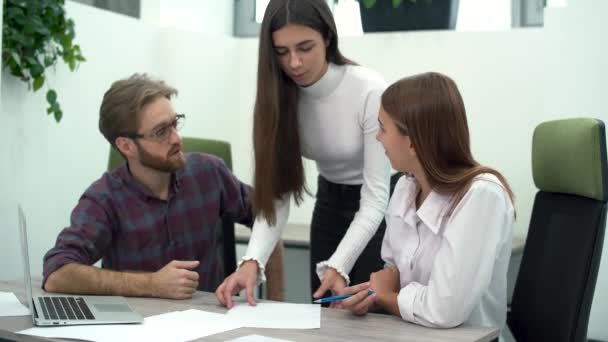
x: 453, y: 269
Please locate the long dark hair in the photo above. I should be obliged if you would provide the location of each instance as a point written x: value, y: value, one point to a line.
x: 429, y: 109
x: 276, y: 141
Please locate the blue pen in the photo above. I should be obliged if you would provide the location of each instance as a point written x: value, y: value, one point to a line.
x: 335, y: 298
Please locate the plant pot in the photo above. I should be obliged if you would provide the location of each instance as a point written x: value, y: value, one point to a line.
x: 419, y: 15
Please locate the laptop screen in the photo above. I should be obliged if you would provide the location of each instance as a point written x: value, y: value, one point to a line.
x: 26, y: 259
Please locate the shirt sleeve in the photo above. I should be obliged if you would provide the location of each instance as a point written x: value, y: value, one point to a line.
x: 374, y: 195
x: 84, y: 241
x: 463, y: 266
x: 265, y: 236
x: 386, y: 252
x: 235, y: 197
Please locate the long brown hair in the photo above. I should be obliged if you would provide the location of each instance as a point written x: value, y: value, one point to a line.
x: 276, y: 141
x: 429, y: 109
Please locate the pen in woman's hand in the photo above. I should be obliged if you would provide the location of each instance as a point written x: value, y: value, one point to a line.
x: 340, y: 297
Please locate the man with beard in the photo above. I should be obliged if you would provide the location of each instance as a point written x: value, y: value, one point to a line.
x: 152, y: 221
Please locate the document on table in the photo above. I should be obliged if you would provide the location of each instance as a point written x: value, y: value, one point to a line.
x: 257, y: 338
x: 11, y: 306
x: 174, y: 326
x: 277, y: 315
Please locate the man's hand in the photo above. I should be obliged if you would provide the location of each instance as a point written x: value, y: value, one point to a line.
x: 385, y: 280
x: 332, y: 280
x: 360, y: 303
x: 175, y: 280
x: 244, y: 278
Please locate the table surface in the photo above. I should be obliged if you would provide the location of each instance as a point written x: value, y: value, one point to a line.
x: 336, y: 325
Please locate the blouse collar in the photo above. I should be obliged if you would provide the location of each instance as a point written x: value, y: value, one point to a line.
x: 433, y: 211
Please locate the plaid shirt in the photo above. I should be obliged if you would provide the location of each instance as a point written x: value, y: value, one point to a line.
x: 122, y: 223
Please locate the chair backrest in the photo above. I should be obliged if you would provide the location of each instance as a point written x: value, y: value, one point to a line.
x: 556, y: 281
x: 217, y: 148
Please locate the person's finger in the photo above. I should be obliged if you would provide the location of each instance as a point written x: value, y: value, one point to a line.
x: 250, y: 297
x: 188, y: 274
x: 219, y: 293
x: 186, y: 292
x: 189, y: 283
x: 350, y: 302
x: 356, y: 298
x: 355, y: 288
x: 229, y: 291
x: 322, y: 288
x: 188, y: 264
x: 185, y: 295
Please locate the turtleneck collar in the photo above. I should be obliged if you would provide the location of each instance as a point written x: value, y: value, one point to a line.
x: 327, y: 83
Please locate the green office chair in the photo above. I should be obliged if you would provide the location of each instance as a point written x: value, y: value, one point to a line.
x: 556, y: 281
x: 217, y: 148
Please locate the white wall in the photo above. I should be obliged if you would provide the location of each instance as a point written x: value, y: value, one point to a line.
x: 203, y: 16
x: 1, y: 19
x: 510, y: 81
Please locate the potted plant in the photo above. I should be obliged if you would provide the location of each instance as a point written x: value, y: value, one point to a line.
x: 405, y: 15
x: 36, y: 34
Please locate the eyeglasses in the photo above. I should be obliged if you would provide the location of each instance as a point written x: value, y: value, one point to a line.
x: 162, y: 133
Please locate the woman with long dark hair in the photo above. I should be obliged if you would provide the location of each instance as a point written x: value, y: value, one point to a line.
x: 312, y: 102
x: 450, y: 220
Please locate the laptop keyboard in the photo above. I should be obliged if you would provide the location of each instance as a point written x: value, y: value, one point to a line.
x: 65, y: 308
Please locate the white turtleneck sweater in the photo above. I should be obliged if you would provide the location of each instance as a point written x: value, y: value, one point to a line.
x: 338, y: 122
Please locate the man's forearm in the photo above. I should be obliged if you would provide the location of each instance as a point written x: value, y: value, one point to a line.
x: 84, y: 279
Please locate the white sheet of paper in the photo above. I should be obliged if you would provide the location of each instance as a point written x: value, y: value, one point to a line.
x: 257, y: 338
x: 173, y: 326
x: 11, y: 306
x: 277, y: 315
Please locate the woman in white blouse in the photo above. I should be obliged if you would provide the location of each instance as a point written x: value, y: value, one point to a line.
x: 449, y: 222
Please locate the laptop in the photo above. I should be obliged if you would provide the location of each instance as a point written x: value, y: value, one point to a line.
x: 52, y: 310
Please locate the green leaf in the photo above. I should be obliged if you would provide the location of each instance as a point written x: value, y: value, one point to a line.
x: 38, y: 82
x: 36, y: 70
x: 58, y: 115
x: 13, y: 12
x: 16, y: 70
x: 51, y: 96
x: 48, y: 61
x: 16, y: 59
x: 66, y: 41
x: 397, y: 3
x: 369, y: 3
x: 30, y: 60
x: 55, y: 107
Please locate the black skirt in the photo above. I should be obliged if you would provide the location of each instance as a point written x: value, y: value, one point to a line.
x: 335, y: 208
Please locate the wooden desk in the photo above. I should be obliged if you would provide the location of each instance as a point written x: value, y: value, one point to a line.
x: 336, y: 325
